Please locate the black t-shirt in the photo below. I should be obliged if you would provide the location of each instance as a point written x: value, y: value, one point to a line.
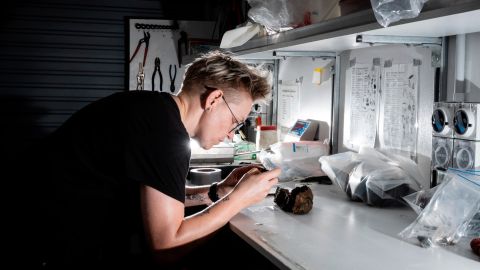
x: 87, y: 189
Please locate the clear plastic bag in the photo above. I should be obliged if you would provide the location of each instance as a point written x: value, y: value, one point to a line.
x: 386, y: 186
x: 282, y: 15
x: 273, y: 14
x: 297, y: 160
x: 375, y: 177
x: 419, y: 200
x: 357, y: 184
x: 389, y: 11
x: 449, y: 214
x: 338, y: 167
x: 473, y: 228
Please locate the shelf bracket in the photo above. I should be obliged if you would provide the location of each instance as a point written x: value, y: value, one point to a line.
x: 436, y: 57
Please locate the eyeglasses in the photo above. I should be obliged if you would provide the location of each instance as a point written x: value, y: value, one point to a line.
x: 239, y: 125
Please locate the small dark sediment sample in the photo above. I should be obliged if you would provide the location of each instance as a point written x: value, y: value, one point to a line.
x: 475, y: 245
x: 281, y: 198
x: 298, y: 201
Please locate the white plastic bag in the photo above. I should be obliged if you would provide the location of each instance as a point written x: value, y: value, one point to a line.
x: 239, y: 36
x: 389, y: 11
x: 297, y: 160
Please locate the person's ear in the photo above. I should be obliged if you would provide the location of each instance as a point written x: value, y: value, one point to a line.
x: 213, y: 99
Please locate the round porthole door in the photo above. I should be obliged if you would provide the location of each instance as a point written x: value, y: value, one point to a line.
x: 439, y: 120
x: 442, y: 156
x: 461, y: 122
x: 464, y: 158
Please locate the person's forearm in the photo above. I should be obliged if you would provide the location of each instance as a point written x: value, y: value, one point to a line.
x: 197, y: 199
x: 197, y: 196
x: 191, y: 190
x: 207, y: 221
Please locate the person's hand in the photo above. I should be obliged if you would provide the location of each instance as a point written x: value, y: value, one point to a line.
x: 227, y: 185
x: 254, y: 185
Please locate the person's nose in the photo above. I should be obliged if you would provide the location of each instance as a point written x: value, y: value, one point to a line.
x: 230, y: 135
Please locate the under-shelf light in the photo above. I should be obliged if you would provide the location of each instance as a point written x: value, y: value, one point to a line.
x: 372, y: 39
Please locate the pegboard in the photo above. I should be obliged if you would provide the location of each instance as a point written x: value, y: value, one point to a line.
x: 164, y: 36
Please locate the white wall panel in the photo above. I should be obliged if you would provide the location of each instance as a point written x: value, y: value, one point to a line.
x: 315, y: 100
x: 400, y: 54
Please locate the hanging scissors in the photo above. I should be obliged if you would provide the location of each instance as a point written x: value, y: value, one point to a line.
x: 157, y: 69
x: 146, y: 40
x: 172, y: 77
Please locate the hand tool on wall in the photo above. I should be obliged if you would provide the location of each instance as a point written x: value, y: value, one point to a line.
x: 157, y: 69
x: 183, y: 39
x: 172, y: 77
x: 146, y: 40
x: 140, y: 77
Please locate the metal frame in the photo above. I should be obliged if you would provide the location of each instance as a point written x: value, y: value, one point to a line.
x: 334, y: 129
x: 275, y: 92
x: 442, y: 91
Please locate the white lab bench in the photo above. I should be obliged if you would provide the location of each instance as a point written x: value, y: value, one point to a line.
x: 340, y: 234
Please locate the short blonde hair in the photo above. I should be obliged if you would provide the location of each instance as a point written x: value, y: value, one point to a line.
x: 217, y: 69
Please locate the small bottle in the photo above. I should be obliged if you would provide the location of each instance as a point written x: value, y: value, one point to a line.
x: 266, y: 136
x: 258, y: 121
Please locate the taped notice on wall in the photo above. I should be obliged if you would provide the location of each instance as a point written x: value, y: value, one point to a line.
x: 288, y: 103
x: 364, y: 81
x: 399, y: 108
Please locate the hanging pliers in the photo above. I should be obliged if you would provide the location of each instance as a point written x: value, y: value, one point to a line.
x: 182, y: 40
x: 145, y: 39
x: 157, y: 69
x: 172, y: 77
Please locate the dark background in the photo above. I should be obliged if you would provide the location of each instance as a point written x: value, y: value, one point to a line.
x: 58, y: 56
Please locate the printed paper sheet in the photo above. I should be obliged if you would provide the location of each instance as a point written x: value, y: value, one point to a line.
x: 288, y: 103
x: 398, y: 112
x: 364, y: 80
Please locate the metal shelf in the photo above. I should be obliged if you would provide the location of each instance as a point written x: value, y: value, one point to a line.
x: 339, y: 34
